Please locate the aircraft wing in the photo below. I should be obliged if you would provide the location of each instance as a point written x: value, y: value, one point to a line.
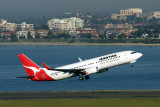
x: 68, y: 70
x: 75, y: 71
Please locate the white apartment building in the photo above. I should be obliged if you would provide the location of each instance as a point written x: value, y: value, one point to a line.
x: 25, y: 27
x: 156, y: 14
x: 5, y: 26
x: 33, y: 34
x: 72, y: 23
x: 22, y: 34
x: 3, y: 21
x: 9, y: 26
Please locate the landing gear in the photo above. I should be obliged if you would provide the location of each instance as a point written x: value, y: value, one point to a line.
x: 86, y: 77
x: 81, y: 78
x: 131, y: 65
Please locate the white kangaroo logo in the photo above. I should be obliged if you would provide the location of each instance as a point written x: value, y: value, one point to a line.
x: 35, y: 70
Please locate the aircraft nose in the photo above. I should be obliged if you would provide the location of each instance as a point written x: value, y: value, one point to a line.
x: 140, y: 55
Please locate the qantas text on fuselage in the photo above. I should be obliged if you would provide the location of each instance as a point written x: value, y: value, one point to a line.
x: 81, y: 68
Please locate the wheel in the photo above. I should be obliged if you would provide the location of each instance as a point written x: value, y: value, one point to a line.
x: 131, y: 65
x: 81, y: 78
x: 86, y: 77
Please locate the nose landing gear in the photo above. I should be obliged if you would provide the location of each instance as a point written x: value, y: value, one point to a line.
x: 131, y: 65
x: 86, y: 77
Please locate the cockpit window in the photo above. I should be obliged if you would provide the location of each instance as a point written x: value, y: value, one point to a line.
x: 133, y: 52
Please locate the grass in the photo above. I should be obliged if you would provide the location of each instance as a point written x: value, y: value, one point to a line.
x: 128, y: 102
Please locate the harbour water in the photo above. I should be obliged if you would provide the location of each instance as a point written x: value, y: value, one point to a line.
x: 145, y: 75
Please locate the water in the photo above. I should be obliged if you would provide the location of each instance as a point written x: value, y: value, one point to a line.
x: 144, y: 76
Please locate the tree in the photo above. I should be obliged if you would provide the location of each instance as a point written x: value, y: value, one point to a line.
x: 13, y: 37
x: 29, y: 35
x: 37, y: 36
x: 156, y: 36
x: 63, y: 35
x: 89, y: 36
x: 138, y: 33
x: 148, y: 32
x: 102, y: 36
x: 121, y: 36
x: 156, y: 31
x: 111, y: 36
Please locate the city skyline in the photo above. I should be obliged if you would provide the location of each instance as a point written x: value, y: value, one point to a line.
x: 59, y: 6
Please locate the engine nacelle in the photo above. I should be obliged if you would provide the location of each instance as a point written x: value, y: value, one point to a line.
x: 103, y: 70
x: 91, y: 70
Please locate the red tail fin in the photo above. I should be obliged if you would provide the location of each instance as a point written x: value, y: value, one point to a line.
x: 30, y: 67
x: 34, y: 72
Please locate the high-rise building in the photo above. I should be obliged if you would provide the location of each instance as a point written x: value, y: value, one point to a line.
x: 72, y: 23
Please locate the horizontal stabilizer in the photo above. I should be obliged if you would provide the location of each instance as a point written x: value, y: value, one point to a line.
x: 29, y: 77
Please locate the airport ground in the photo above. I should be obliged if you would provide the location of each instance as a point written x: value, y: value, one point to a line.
x: 81, y: 99
x: 120, y: 102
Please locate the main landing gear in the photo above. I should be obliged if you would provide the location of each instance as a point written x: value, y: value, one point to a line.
x: 81, y: 77
x: 86, y: 77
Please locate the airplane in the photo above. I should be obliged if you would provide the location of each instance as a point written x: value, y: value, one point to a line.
x: 81, y: 68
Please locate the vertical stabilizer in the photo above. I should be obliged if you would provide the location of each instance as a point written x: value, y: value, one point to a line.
x: 30, y: 67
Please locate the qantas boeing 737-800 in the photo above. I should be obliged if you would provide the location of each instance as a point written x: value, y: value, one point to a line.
x: 81, y: 68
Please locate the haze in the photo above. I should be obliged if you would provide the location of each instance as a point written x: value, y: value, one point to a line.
x: 59, y: 6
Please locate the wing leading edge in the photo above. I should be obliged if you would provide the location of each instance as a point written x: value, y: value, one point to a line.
x: 75, y: 71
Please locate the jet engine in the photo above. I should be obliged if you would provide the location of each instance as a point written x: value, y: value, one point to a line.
x: 92, y: 70
x: 103, y: 70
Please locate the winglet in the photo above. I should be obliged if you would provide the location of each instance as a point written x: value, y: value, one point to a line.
x: 80, y: 60
x: 48, y: 68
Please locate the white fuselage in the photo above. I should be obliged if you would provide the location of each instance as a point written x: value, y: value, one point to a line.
x: 99, y: 63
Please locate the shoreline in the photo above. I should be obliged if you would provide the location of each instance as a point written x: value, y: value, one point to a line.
x: 79, y: 44
x: 78, y: 94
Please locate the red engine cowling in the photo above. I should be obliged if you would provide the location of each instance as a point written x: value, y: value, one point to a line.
x: 92, y: 70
